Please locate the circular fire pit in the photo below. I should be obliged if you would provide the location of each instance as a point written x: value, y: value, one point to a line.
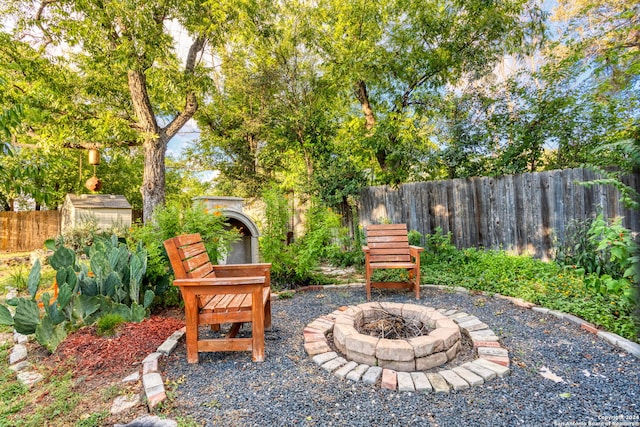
x: 438, y: 343
x: 413, y: 362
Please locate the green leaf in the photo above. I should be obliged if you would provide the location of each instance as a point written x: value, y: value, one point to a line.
x: 123, y: 311
x: 99, y: 265
x: 111, y: 283
x: 65, y: 294
x: 85, y: 306
x: 88, y: 286
x: 565, y: 395
x: 137, y: 268
x: 62, y: 257
x: 5, y: 316
x: 149, y: 295
x: 27, y: 316
x: 34, y: 279
x: 54, y: 312
x: 72, y: 278
x: 138, y: 312
x: 630, y: 272
x: 67, y: 275
x: 61, y: 275
x: 50, y: 335
x: 50, y: 244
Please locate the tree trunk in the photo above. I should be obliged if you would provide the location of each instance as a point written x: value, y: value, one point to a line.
x: 154, y: 145
x: 363, y: 98
x: 153, y: 181
x: 156, y: 138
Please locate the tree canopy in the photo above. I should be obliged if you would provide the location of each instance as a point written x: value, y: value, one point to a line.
x: 321, y: 98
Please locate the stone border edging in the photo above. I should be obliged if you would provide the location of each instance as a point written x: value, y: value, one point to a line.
x: 613, y: 339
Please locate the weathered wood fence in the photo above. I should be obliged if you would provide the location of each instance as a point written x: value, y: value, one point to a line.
x: 26, y: 231
x: 523, y: 213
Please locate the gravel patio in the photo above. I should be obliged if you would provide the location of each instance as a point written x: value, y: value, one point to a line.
x: 593, y: 381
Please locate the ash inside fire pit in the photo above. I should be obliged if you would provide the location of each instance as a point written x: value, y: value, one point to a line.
x: 391, y: 326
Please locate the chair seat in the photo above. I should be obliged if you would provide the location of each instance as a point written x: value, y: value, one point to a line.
x: 392, y: 265
x: 232, y: 303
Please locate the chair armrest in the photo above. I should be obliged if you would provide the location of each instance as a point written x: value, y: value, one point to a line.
x: 414, y: 251
x: 365, y: 249
x: 244, y: 270
x: 221, y: 281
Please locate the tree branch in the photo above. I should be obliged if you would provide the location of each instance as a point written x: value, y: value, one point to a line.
x: 191, y: 102
x: 38, y: 19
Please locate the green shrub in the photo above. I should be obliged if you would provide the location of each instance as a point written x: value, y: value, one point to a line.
x: 604, y: 252
x: 107, y: 324
x: 578, y: 249
x: 548, y: 284
x: 81, y: 237
x: 18, y: 278
x: 438, y: 246
x: 294, y: 263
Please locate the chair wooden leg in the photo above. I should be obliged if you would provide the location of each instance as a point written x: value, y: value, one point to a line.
x: 191, y: 321
x: 233, y: 331
x: 267, y: 314
x: 257, y: 326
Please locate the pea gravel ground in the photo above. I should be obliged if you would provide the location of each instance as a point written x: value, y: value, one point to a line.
x: 601, y: 382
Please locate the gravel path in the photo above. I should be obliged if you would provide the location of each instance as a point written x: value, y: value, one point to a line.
x: 601, y: 388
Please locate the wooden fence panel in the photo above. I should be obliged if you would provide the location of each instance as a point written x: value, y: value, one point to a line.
x: 525, y: 213
x: 26, y: 231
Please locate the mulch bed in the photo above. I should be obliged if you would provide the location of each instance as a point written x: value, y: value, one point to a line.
x: 116, y: 356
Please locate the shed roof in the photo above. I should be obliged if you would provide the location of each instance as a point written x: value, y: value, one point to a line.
x: 97, y: 201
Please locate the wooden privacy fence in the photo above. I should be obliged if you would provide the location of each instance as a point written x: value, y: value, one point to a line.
x: 523, y: 213
x: 26, y: 231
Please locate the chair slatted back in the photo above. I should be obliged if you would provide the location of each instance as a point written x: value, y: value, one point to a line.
x: 388, y: 243
x: 188, y: 256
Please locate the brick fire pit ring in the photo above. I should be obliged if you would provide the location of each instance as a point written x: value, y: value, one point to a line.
x: 406, y: 355
x: 368, y: 355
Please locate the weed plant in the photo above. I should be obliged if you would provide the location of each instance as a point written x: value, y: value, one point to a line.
x: 108, y: 324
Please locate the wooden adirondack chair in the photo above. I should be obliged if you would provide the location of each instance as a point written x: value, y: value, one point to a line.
x: 388, y: 248
x: 217, y: 294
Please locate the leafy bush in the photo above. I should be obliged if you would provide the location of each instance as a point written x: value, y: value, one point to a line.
x: 578, y: 249
x: 438, y: 246
x: 110, y: 284
x: 604, y: 253
x: 294, y: 264
x: 80, y: 237
x: 547, y: 284
x: 347, y: 251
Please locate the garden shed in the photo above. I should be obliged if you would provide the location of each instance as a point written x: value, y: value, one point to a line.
x: 109, y: 210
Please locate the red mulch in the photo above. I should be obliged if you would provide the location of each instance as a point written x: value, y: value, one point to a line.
x: 92, y: 355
